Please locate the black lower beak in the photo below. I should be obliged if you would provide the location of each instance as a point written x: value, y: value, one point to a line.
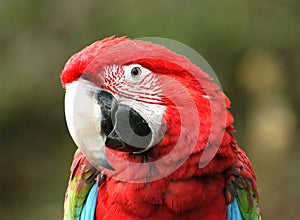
x: 125, y: 128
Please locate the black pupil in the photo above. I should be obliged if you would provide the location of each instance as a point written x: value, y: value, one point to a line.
x: 135, y: 71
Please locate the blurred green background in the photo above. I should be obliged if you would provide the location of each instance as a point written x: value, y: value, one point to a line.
x: 253, y: 46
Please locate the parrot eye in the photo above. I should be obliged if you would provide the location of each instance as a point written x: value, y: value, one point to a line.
x: 136, y: 72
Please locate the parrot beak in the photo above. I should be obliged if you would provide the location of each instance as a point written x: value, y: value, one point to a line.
x: 87, y: 120
x: 130, y: 131
x: 96, y: 119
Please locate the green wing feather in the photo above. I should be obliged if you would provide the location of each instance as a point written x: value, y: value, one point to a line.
x: 241, y: 184
x: 248, y: 204
x: 83, y: 177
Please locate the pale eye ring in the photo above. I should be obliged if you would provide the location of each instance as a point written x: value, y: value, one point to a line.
x: 136, y: 72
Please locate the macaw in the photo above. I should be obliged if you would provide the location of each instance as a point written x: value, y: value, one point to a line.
x: 155, y: 138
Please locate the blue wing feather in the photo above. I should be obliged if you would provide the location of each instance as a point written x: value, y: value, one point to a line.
x: 234, y: 212
x: 88, y: 210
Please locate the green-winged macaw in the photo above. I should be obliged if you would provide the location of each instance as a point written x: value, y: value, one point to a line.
x: 154, y: 136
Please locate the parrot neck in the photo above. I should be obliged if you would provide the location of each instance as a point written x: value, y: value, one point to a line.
x: 189, y: 191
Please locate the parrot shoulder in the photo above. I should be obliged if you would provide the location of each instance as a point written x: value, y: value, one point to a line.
x: 241, y: 187
x: 83, y: 177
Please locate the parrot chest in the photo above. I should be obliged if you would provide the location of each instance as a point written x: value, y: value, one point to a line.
x: 161, y: 199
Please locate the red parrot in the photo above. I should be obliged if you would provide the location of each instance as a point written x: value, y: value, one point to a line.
x: 155, y: 138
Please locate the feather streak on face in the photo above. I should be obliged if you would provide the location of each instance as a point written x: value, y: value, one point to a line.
x: 116, y: 78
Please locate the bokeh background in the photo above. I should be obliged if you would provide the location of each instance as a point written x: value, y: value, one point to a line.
x: 253, y: 46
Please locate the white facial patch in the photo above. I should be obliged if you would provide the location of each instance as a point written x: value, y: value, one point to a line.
x: 123, y: 82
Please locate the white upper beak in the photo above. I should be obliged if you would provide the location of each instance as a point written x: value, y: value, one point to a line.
x: 83, y: 116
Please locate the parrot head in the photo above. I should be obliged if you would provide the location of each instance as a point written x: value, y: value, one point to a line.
x: 140, y: 101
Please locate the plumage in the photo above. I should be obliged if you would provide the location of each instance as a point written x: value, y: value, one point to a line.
x: 172, y: 97
x: 82, y: 179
